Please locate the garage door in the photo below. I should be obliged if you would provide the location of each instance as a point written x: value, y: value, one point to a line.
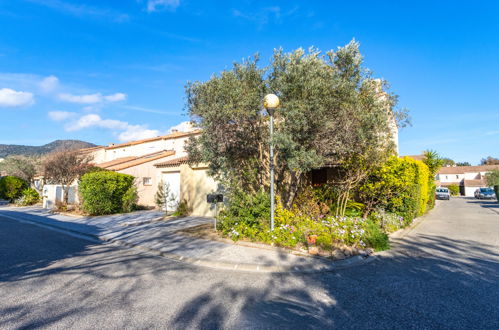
x: 172, y: 179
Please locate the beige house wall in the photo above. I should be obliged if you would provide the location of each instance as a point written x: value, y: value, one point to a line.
x: 195, y: 185
x: 147, y: 170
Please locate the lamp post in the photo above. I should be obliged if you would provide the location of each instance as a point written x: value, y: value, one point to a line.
x: 271, y: 102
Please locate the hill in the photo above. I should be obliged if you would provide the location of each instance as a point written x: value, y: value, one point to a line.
x: 14, y: 149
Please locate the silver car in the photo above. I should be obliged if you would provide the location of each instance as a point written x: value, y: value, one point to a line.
x: 442, y: 193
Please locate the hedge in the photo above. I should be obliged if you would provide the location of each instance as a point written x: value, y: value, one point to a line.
x: 106, y: 192
x: 454, y: 189
x: 11, y: 187
x: 402, y: 185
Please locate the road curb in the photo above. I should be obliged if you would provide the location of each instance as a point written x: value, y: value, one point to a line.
x: 221, y: 265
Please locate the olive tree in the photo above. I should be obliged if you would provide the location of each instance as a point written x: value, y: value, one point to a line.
x: 333, y: 113
x: 20, y: 166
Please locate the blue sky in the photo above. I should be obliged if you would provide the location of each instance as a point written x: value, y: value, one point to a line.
x: 108, y: 71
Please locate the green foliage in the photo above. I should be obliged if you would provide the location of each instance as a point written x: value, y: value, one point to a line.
x: 401, y: 186
x: 11, y: 187
x: 496, y: 190
x: 448, y: 162
x: 250, y: 209
x: 433, y: 161
x: 248, y: 218
x: 454, y: 189
x: 29, y: 197
x: 106, y: 192
x: 492, y: 178
x: 92, y: 169
x: 182, y: 209
x: 130, y: 199
x: 463, y: 164
x: 20, y: 166
x: 354, y: 126
x: 376, y: 238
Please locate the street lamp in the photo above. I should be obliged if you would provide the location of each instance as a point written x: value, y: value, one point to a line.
x: 271, y: 102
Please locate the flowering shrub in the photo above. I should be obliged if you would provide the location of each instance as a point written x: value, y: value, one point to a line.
x: 291, y: 230
x: 387, y: 221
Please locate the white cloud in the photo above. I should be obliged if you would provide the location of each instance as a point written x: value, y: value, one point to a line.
x: 137, y: 132
x: 185, y: 126
x: 93, y: 120
x: 12, y: 98
x: 125, y: 131
x: 154, y: 5
x: 85, y: 99
x: 60, y: 115
x: 116, y: 97
x: 49, y: 84
x: 92, y: 98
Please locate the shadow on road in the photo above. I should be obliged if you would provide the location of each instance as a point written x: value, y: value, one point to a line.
x: 425, y: 282
x: 409, y: 289
x: 489, y: 204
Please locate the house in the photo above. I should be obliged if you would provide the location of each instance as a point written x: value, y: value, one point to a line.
x: 157, y: 160
x: 468, y: 178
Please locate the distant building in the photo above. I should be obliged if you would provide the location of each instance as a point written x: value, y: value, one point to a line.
x: 468, y: 178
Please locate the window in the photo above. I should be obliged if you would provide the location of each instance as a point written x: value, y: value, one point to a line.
x: 147, y: 181
x: 457, y: 176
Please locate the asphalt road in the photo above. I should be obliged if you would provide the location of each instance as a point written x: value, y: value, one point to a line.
x: 442, y: 275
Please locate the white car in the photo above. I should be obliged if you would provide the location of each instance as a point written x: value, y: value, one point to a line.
x: 442, y: 193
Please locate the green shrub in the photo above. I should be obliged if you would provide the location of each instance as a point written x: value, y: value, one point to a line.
x: 130, y: 199
x: 402, y: 186
x: 11, y: 187
x: 454, y: 189
x: 375, y: 237
x: 496, y: 189
x: 251, y: 209
x: 182, y: 209
x: 29, y: 197
x: 106, y: 192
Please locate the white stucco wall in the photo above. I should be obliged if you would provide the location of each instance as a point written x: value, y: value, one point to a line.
x: 53, y: 193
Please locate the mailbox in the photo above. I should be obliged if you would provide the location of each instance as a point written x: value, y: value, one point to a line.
x: 214, y: 198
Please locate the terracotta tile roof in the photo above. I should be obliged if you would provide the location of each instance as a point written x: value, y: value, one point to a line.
x: 85, y: 150
x: 142, y: 160
x: 475, y: 183
x: 163, y: 137
x: 173, y: 162
x: 116, y: 161
x: 127, y: 162
x: 467, y: 169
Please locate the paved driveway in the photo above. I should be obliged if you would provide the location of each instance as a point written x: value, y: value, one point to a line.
x: 443, y: 275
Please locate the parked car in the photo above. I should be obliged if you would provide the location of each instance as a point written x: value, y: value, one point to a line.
x: 485, y: 193
x: 442, y: 193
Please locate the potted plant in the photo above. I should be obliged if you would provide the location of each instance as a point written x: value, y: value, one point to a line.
x: 311, y: 239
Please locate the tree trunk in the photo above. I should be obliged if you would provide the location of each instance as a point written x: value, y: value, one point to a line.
x: 65, y: 194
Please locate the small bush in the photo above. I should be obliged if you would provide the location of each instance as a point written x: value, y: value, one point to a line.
x: 182, y: 209
x: 29, y: 197
x: 130, y: 199
x: 454, y: 189
x: 106, y: 192
x: 376, y: 238
x: 11, y: 187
